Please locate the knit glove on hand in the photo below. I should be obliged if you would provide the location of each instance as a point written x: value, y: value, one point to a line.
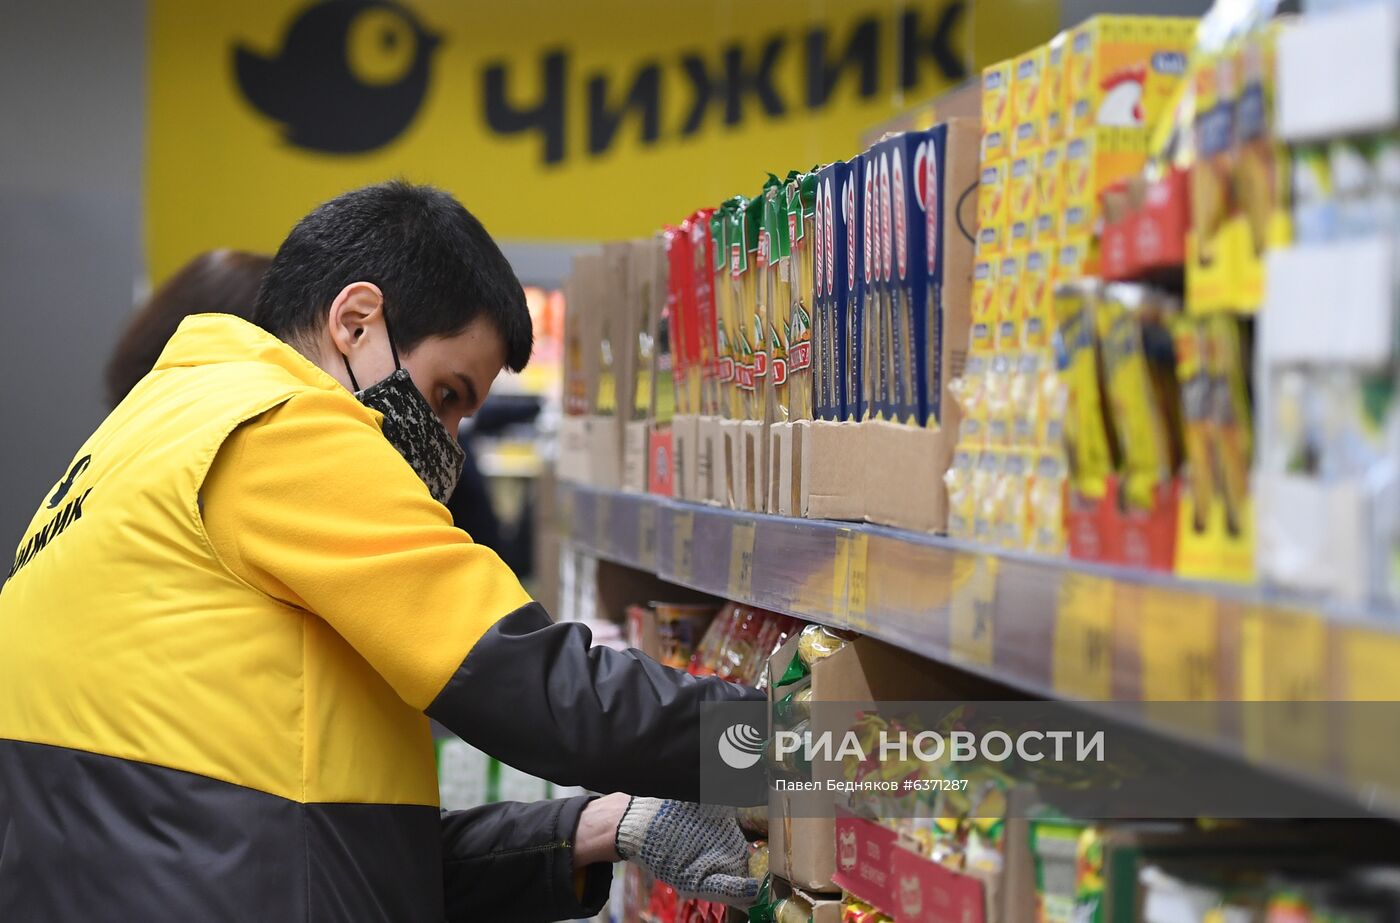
x: 697, y: 849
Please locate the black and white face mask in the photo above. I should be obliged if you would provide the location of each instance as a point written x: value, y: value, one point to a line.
x: 412, y: 427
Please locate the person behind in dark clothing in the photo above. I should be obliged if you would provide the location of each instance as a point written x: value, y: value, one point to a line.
x: 215, y: 282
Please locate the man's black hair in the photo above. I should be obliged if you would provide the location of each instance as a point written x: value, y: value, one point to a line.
x: 434, y: 262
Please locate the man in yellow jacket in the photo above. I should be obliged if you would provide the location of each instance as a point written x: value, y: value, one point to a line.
x: 226, y: 627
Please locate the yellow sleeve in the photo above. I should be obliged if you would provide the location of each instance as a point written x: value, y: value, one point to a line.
x: 316, y: 509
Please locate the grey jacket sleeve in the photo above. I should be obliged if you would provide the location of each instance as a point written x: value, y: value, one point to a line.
x: 512, y: 861
x: 536, y: 694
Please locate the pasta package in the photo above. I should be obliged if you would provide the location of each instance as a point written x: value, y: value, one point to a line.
x: 801, y: 223
x: 775, y: 252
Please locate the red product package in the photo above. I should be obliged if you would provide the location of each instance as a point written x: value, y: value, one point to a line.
x: 702, y: 251
x: 686, y: 368
x: 705, y: 662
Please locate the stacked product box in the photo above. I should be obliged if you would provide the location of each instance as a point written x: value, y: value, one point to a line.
x: 1060, y: 125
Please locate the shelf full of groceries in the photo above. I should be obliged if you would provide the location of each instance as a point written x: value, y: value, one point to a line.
x: 940, y: 840
x: 1089, y: 398
x: 1141, y: 315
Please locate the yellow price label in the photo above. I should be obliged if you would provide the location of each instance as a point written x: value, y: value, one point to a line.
x: 1083, y: 646
x: 1283, y: 660
x: 646, y: 536
x: 971, y: 627
x: 1179, y: 647
x: 683, y: 545
x: 849, y: 578
x: 1368, y: 658
x: 741, y: 561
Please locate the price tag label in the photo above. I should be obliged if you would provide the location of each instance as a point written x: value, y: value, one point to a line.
x: 1083, y: 648
x: 1368, y: 659
x: 971, y: 628
x: 1283, y: 662
x: 741, y: 561
x: 848, y: 578
x: 683, y: 545
x: 646, y: 535
x: 1179, y: 646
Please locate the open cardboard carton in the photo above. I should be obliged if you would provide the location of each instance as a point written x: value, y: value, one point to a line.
x: 785, y: 469
x: 685, y: 456
x: 874, y: 471
x: 802, y: 843
x: 712, y: 462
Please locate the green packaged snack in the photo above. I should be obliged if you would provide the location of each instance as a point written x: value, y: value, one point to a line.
x: 775, y: 254
x: 726, y: 375
x: 801, y: 225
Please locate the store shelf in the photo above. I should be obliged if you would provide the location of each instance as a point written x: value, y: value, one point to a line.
x: 1054, y: 628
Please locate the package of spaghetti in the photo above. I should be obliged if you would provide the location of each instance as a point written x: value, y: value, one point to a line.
x: 1227, y: 352
x: 725, y: 365
x: 702, y: 272
x: 743, y: 299
x: 754, y: 286
x: 683, y: 320
x: 1127, y: 317
x: 801, y: 225
x: 959, y: 478
x: 776, y: 251
x: 1076, y: 359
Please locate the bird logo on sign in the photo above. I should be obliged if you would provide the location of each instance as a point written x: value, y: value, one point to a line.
x: 350, y: 76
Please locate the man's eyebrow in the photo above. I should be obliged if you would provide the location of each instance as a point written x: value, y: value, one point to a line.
x: 469, y: 387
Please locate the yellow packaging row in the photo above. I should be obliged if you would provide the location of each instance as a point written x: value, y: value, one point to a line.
x: 1109, y: 72
x: 1060, y: 124
x: 1036, y: 200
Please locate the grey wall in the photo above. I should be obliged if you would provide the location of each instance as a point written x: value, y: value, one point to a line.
x: 71, y: 99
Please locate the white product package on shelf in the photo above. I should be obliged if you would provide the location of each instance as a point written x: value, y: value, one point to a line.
x: 1339, y: 73
x: 1327, y: 482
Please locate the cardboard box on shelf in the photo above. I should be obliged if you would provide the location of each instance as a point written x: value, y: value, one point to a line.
x: 785, y: 468
x: 729, y: 459
x: 685, y: 456
x: 635, y: 458
x: 826, y: 908
x: 710, y: 462
x: 832, y: 469
x: 802, y: 847
x: 751, y: 467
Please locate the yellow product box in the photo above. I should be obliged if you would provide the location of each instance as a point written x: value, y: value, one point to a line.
x: 984, y: 305
x: 1021, y: 206
x: 996, y: 110
x: 1072, y: 260
x: 1006, y: 345
x: 1010, y: 280
x: 1035, y: 297
x: 992, y: 206
x: 1123, y: 70
x: 1014, y: 488
x: 1093, y: 161
x: 1028, y: 102
x: 1050, y: 196
x: 1056, y: 91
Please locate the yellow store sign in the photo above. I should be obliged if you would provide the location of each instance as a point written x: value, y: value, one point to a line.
x: 550, y: 119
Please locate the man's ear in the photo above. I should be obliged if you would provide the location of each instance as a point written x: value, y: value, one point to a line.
x: 358, y: 307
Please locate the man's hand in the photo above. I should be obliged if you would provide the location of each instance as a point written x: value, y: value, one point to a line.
x: 697, y: 849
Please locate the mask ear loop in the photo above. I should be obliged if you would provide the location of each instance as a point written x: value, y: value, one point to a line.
x: 393, y: 351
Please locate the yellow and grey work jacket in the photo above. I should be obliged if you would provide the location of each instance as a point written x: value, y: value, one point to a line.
x: 221, y: 638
